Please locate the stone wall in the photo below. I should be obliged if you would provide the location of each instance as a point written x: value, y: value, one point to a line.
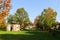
x: 8, y: 28
x: 16, y: 27
x: 13, y: 27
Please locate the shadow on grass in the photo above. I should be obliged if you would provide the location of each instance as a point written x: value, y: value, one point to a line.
x: 35, y: 36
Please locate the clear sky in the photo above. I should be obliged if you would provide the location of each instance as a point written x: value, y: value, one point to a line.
x: 35, y: 7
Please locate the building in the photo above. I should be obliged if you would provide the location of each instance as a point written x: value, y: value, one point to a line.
x: 13, y: 27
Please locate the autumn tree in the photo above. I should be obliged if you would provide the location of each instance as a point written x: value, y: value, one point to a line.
x: 4, y: 10
x: 47, y: 18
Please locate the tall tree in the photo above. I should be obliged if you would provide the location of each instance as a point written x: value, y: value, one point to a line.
x: 47, y: 18
x: 22, y: 17
x: 4, y: 10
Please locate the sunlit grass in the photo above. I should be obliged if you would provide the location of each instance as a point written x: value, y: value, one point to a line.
x: 27, y: 35
x: 15, y: 32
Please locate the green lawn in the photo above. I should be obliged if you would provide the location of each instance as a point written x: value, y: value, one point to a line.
x: 27, y: 35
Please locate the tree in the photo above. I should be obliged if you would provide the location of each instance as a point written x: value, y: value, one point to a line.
x: 10, y: 19
x: 20, y: 17
x: 4, y: 10
x: 47, y: 18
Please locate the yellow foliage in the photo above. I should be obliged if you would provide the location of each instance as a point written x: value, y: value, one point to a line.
x: 2, y: 23
x: 4, y: 12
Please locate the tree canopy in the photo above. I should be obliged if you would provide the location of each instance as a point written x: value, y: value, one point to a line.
x: 20, y: 17
x: 5, y: 7
x: 47, y: 18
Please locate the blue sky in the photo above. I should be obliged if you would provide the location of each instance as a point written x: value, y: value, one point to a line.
x: 35, y: 7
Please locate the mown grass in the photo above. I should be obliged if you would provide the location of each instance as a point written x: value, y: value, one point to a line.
x: 27, y: 35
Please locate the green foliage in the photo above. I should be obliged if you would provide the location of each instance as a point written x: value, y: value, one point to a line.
x: 9, y: 19
x: 20, y: 17
x: 47, y: 18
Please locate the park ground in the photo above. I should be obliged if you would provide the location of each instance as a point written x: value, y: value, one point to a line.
x: 27, y: 35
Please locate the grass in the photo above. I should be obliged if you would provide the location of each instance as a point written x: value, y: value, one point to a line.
x: 27, y: 35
